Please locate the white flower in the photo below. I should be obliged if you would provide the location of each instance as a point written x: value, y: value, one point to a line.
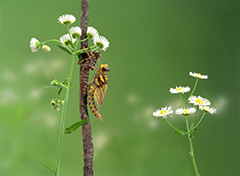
x: 66, y: 39
x: 163, y: 112
x: 76, y: 32
x: 101, y: 42
x: 34, y: 45
x: 179, y: 89
x: 67, y: 19
x: 200, y: 101
x: 186, y: 111
x: 208, y: 109
x: 198, y: 75
x: 92, y: 32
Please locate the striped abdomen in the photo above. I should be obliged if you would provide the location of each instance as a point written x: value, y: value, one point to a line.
x: 100, y: 80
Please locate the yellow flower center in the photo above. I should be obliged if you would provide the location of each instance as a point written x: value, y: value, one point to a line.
x: 199, y: 74
x: 185, y: 111
x: 179, y: 89
x: 199, y: 101
x: 163, y: 112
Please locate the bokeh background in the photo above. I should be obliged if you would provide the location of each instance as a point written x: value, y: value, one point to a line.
x: 154, y: 45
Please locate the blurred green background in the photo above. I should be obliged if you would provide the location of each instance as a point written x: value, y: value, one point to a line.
x: 153, y: 46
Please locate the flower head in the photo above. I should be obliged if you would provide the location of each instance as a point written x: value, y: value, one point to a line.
x: 92, y: 32
x: 76, y: 32
x: 163, y: 112
x: 34, y: 45
x: 67, y: 19
x: 66, y: 39
x: 101, y: 42
x: 208, y: 109
x: 179, y: 89
x: 198, y: 75
x: 186, y: 111
x: 200, y: 101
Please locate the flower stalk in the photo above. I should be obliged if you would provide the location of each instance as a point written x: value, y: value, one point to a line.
x: 199, y: 102
x: 191, y: 147
x: 62, y: 125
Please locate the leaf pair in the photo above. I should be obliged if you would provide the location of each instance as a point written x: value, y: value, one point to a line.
x: 75, y: 126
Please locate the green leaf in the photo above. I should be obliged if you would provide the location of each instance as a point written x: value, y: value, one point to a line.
x: 47, y: 167
x: 49, y: 86
x: 180, y: 133
x: 64, y: 49
x: 75, y: 126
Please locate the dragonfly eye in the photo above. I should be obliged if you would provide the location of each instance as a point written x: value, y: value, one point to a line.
x: 105, y: 69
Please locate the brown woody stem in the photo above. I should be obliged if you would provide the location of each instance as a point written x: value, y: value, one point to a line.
x: 86, y: 128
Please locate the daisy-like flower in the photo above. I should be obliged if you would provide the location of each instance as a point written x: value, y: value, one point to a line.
x: 186, y: 111
x: 92, y: 32
x: 34, y: 45
x: 198, y: 75
x: 101, y: 42
x: 67, y: 19
x: 200, y: 101
x: 66, y: 39
x: 76, y: 32
x: 179, y: 89
x: 163, y: 112
x: 208, y: 109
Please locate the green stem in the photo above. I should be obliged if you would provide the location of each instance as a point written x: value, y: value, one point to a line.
x: 93, y: 48
x: 175, y: 127
x: 44, y: 165
x: 76, y: 45
x: 182, y: 100
x: 63, y: 118
x: 195, y: 85
x: 199, y: 121
x: 84, y: 39
x: 55, y: 40
x: 195, y: 117
x: 69, y: 33
x: 191, y: 147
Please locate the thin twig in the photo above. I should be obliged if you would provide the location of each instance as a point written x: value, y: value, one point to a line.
x: 84, y: 73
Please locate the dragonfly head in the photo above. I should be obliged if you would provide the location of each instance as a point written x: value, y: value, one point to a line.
x: 104, y: 68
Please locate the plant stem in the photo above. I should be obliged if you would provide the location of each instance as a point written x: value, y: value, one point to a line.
x: 182, y: 100
x: 199, y: 121
x: 54, y: 40
x: 195, y: 85
x: 63, y: 118
x: 175, y: 127
x: 191, y: 147
x: 195, y: 117
x: 88, y: 149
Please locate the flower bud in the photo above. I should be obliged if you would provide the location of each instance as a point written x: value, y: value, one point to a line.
x: 55, y: 83
x: 46, y: 48
x: 55, y: 105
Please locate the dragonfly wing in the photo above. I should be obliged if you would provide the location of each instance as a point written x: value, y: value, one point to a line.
x: 100, y: 94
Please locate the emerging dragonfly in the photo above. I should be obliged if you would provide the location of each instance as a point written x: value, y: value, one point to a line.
x: 97, y: 89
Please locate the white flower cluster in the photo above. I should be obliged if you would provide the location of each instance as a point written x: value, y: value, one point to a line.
x: 75, y: 33
x: 202, y: 103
